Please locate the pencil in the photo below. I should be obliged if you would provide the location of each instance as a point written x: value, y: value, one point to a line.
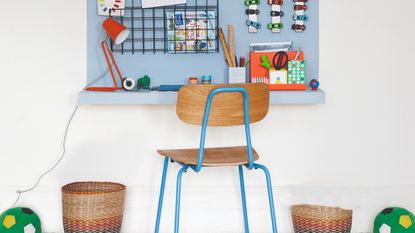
x: 298, y: 54
x: 242, y: 61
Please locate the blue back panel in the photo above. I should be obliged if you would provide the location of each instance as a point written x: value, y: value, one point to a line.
x: 176, y: 68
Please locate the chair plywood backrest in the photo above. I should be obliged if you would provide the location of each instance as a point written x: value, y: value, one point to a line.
x: 227, y: 108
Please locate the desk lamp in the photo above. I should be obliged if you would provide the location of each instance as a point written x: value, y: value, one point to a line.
x: 118, y: 34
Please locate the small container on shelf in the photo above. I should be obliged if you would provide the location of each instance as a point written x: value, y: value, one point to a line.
x: 193, y: 80
x: 237, y: 75
x: 207, y: 79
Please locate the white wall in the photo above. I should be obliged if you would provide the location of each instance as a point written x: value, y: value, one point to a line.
x: 355, y: 151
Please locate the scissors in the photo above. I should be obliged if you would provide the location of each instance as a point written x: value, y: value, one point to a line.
x: 280, y: 60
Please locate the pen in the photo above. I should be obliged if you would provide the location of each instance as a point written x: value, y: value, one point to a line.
x: 242, y: 61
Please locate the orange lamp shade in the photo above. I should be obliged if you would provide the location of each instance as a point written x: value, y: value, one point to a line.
x: 116, y: 31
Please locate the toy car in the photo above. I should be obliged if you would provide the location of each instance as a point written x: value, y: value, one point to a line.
x: 300, y: 17
x: 300, y: 0
x: 252, y: 2
x: 275, y: 26
x: 300, y: 7
x: 277, y: 13
x: 276, y: 2
x: 298, y: 27
x: 253, y: 24
x: 252, y: 12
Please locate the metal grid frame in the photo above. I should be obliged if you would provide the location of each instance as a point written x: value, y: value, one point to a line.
x: 149, y: 29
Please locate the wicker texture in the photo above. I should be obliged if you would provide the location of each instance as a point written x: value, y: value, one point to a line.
x: 93, y: 207
x: 321, y: 219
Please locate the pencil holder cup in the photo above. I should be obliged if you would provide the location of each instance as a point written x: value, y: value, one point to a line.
x: 237, y: 75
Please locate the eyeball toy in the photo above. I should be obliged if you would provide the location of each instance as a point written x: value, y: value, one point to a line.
x: 314, y: 84
x: 128, y: 84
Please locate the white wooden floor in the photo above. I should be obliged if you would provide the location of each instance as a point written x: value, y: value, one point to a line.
x: 218, y: 210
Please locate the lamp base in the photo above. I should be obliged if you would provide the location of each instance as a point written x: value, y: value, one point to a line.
x: 104, y: 89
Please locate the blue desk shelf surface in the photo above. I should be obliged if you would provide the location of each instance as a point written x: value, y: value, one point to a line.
x: 169, y: 98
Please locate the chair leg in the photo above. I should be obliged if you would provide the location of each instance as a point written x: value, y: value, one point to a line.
x: 242, y: 184
x: 270, y: 196
x: 161, y: 197
x: 178, y: 194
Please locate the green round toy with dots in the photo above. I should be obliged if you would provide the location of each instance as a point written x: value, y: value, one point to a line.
x: 20, y: 220
x: 394, y: 220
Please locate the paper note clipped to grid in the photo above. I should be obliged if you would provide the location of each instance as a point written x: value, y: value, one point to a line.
x: 114, y: 6
x: 156, y: 3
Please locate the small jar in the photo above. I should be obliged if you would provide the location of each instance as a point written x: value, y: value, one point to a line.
x: 193, y: 80
x: 207, y: 79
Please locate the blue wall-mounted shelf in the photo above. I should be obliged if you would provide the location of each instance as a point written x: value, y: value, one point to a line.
x: 175, y: 69
x: 167, y: 98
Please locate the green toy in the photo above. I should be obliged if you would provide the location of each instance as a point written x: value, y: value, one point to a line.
x: 394, y: 220
x: 265, y: 62
x: 20, y: 220
x: 144, y: 83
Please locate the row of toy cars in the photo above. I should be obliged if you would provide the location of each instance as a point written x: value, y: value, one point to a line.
x: 252, y: 12
x: 276, y: 13
x: 299, y: 17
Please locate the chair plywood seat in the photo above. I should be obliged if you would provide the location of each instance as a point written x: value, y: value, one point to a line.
x: 213, y: 157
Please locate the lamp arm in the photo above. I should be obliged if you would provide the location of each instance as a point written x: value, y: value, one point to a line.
x: 107, y: 51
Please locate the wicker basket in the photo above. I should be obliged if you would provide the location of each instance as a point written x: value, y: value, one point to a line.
x: 321, y: 219
x: 93, y: 207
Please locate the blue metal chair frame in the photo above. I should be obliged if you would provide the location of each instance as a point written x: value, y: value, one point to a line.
x: 251, y: 165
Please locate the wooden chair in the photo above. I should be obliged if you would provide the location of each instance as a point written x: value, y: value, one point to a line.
x: 218, y: 105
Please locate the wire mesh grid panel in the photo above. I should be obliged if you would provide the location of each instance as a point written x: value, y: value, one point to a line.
x: 147, y: 29
x: 185, y: 28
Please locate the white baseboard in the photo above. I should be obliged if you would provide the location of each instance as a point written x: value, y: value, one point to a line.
x: 218, y: 209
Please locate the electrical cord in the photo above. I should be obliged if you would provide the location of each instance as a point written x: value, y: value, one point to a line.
x: 103, y: 74
x: 100, y: 77
x: 20, y: 192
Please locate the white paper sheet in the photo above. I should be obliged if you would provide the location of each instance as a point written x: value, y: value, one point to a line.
x: 156, y: 3
x: 105, y: 6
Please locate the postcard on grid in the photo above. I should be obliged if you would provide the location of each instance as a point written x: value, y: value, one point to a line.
x: 156, y: 3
